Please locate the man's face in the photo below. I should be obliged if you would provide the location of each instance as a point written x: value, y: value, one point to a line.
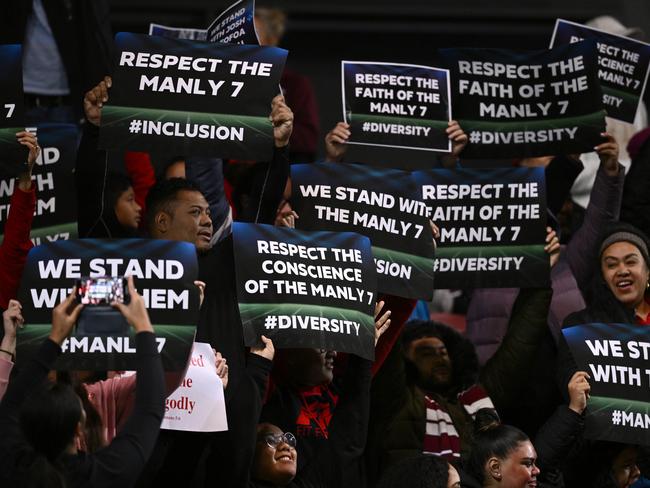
x: 312, y: 367
x: 189, y: 220
x: 431, y: 359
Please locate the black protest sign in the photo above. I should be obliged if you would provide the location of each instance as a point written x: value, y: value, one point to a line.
x: 492, y: 226
x: 396, y: 105
x: 520, y: 104
x: 235, y: 25
x: 12, y: 110
x: 192, y: 98
x: 623, y: 66
x: 178, y: 32
x: 164, y: 274
x: 380, y: 203
x: 56, y: 204
x: 616, y: 358
x: 306, y: 289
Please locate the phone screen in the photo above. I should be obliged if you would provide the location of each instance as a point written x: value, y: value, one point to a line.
x: 101, y: 291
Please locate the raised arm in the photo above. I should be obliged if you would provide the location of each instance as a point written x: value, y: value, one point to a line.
x: 123, y: 459
x: 16, y: 243
x: 604, y: 206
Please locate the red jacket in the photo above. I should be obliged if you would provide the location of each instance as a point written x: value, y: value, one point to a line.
x: 16, y: 243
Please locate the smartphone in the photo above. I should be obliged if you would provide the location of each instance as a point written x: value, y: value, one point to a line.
x: 102, y: 290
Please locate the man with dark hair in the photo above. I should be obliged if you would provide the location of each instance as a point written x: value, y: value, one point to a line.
x: 177, y: 210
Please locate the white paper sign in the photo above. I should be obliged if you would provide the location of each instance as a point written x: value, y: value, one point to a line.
x: 198, y: 404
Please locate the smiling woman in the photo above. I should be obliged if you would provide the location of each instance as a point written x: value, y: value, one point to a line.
x: 619, y: 292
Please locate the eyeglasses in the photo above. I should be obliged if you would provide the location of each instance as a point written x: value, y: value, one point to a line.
x: 272, y: 440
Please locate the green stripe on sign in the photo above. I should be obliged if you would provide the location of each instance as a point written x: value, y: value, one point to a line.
x: 122, y: 116
x: 530, y: 251
x: 629, y: 98
x: 421, y: 264
x: 594, y: 120
x: 598, y: 404
x: 251, y: 312
x: 360, y: 118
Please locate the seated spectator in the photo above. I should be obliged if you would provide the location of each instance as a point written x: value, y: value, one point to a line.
x: 40, y: 422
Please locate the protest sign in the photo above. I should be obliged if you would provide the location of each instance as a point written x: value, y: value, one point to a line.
x: 382, y: 204
x: 616, y: 358
x: 178, y: 32
x: 198, y: 404
x: 492, y: 226
x: 623, y: 66
x: 164, y: 274
x: 12, y: 110
x: 192, y: 98
x: 235, y: 25
x: 305, y: 289
x: 56, y: 203
x: 523, y: 104
x: 396, y: 105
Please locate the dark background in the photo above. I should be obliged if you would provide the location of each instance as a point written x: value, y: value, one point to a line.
x: 322, y: 33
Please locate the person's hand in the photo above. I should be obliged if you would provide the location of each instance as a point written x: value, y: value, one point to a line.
x: 381, y: 322
x: 282, y: 119
x: 608, y: 154
x: 135, y: 312
x: 201, y: 286
x: 458, y: 140
x: 457, y: 137
x: 222, y: 368
x: 552, y: 247
x: 12, y: 318
x: 95, y: 99
x: 436, y: 233
x: 30, y: 141
x: 336, y: 142
x: 267, y: 351
x: 287, y: 219
x: 64, y: 316
x: 579, y: 391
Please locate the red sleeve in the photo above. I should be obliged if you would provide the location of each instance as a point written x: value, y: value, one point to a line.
x: 140, y: 169
x: 401, y: 309
x: 16, y: 243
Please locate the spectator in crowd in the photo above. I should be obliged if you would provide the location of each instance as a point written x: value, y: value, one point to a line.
x: 67, y: 48
x: 16, y: 243
x: 106, y: 200
x: 502, y: 455
x: 426, y: 394
x: 421, y: 471
x: 12, y: 320
x: 270, y: 25
x: 490, y: 308
x: 39, y: 422
x: 619, y: 290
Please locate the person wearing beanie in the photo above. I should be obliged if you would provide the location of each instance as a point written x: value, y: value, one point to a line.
x: 618, y: 293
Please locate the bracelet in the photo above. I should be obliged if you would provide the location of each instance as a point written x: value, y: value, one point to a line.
x: 13, y: 356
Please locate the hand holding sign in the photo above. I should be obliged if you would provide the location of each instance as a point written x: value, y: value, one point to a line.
x: 381, y: 322
x: 608, y: 153
x: 135, y: 311
x: 552, y: 246
x: 222, y: 368
x: 282, y: 119
x: 64, y: 316
x: 95, y: 100
x: 579, y: 392
x: 458, y: 139
x: 267, y: 351
x: 30, y: 141
x: 335, y: 142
